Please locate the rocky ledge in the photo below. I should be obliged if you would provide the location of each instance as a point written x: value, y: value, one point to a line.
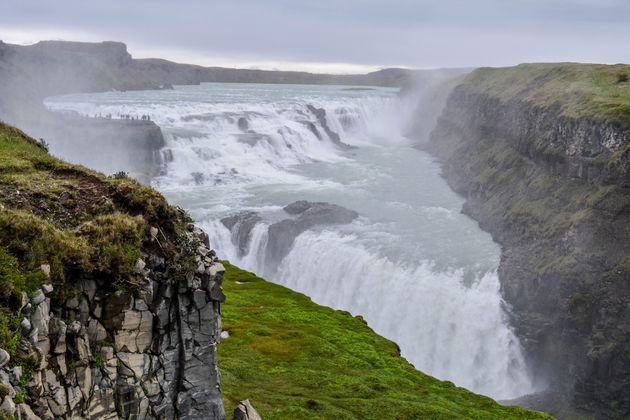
x: 110, y: 298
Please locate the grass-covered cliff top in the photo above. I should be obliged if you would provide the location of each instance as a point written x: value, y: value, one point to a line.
x: 597, y: 91
x: 294, y: 359
x: 72, y: 220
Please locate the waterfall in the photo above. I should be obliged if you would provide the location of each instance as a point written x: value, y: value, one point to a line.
x: 420, y: 272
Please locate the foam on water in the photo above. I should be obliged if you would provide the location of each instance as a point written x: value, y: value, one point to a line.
x: 420, y: 272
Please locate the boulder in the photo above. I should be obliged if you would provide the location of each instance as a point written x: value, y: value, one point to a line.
x: 310, y: 214
x: 245, y: 411
x: 241, y: 225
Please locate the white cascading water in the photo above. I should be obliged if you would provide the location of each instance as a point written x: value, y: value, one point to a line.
x: 420, y: 272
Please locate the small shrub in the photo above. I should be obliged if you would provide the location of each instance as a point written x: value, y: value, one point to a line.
x: 100, y: 361
x: 9, y: 274
x: 12, y: 345
x: 622, y: 77
x: 44, y: 144
x: 10, y: 335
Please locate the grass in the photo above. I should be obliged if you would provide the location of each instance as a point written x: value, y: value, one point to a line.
x: 294, y: 359
x: 597, y: 91
x: 71, y: 218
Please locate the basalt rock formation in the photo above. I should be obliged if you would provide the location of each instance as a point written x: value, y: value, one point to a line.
x: 542, y: 154
x: 109, y: 297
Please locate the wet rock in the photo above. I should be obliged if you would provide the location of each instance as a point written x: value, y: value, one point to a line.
x: 310, y: 214
x: 320, y: 114
x: 241, y: 225
x: 243, y: 124
x: 47, y: 288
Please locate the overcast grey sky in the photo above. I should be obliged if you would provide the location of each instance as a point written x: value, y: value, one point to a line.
x: 335, y: 35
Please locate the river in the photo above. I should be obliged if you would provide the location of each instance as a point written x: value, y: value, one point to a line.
x: 421, y: 273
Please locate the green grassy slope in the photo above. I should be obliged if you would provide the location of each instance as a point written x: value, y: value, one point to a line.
x: 599, y: 91
x: 294, y: 359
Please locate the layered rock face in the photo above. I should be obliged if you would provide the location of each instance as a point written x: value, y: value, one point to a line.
x: 150, y: 353
x: 551, y: 186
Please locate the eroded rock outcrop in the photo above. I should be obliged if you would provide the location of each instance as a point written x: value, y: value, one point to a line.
x: 309, y: 214
x: 281, y: 235
x: 146, y: 353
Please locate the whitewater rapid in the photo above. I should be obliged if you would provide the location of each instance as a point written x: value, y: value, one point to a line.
x: 420, y: 272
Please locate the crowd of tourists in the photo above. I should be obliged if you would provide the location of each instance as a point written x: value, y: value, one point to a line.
x: 144, y: 117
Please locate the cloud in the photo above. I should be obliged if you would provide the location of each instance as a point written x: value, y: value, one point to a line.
x: 362, y: 33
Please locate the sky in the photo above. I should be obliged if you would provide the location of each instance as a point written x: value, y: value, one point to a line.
x: 336, y: 36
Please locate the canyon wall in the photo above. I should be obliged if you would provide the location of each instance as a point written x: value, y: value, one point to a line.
x: 542, y: 154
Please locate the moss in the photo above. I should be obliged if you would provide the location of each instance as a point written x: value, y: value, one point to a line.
x: 579, y: 90
x: 74, y: 219
x: 295, y: 359
x: 4, y: 391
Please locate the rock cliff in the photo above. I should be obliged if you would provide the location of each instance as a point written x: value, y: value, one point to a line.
x: 542, y: 153
x: 110, y: 298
